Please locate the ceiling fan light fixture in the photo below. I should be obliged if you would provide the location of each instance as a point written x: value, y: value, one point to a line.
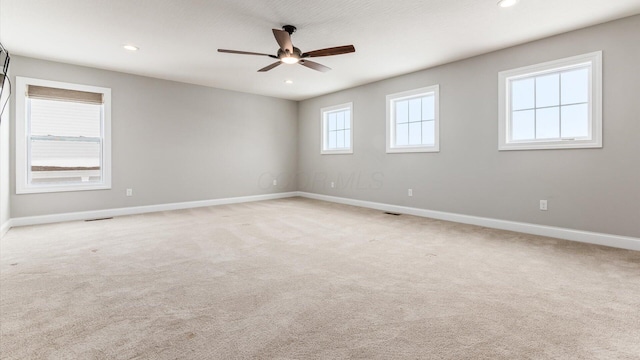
x: 507, y: 3
x: 289, y: 59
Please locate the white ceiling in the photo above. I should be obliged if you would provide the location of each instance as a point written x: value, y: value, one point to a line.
x: 178, y: 38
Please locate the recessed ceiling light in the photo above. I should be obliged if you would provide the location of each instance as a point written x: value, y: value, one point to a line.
x: 507, y: 3
x: 289, y: 82
x: 130, y: 47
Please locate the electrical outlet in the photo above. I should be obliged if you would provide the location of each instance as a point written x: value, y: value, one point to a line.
x: 543, y: 205
x: 333, y: 184
x: 129, y: 192
x: 275, y: 182
x: 410, y: 192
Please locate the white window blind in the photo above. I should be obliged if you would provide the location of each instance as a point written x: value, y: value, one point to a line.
x: 65, y: 141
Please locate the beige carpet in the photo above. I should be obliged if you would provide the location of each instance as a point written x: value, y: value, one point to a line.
x: 304, y: 279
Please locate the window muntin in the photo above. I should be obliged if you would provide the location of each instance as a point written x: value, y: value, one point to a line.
x: 412, y: 121
x: 552, y: 105
x: 63, y: 137
x: 337, y: 136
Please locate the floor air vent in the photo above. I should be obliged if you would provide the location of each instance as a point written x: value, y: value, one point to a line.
x: 109, y: 218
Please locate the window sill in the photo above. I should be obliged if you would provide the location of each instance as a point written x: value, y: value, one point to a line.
x: 551, y: 145
x: 399, y: 150
x: 62, y: 188
x: 336, y: 152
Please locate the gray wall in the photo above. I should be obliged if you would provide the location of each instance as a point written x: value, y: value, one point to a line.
x: 587, y: 189
x: 4, y: 159
x: 176, y: 142
x: 173, y: 142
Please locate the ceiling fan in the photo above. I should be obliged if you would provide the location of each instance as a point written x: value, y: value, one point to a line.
x: 290, y: 54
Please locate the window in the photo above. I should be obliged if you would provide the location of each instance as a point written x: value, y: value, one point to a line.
x: 552, y: 105
x: 337, y: 134
x: 63, y: 137
x: 412, y: 121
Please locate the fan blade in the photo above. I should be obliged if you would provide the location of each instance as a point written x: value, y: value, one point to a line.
x: 314, y: 65
x: 284, y: 40
x: 267, y: 68
x: 338, y: 50
x: 245, y: 53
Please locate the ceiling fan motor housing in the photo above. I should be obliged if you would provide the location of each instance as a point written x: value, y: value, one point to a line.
x: 296, y: 53
x: 289, y: 28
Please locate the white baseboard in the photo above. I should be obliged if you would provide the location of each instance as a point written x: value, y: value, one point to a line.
x: 4, y: 227
x: 623, y: 242
x: 98, y: 214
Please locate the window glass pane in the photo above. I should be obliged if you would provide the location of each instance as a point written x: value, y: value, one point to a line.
x: 428, y: 108
x: 408, y: 130
x: 548, y: 90
x: 575, y: 121
x: 548, y: 123
x: 63, y: 118
x: 340, y: 138
x: 340, y: 117
x: 415, y: 111
x: 402, y: 134
x: 402, y: 111
x: 522, y: 125
x: 332, y: 140
x: 415, y: 133
x: 338, y: 129
x: 428, y: 132
x: 575, y: 86
x: 332, y: 121
x: 55, y: 161
x: 347, y: 119
x: 522, y: 94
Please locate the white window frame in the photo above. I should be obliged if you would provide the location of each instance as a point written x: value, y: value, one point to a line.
x: 324, y: 150
x: 594, y: 61
x: 22, y: 185
x: 391, y: 124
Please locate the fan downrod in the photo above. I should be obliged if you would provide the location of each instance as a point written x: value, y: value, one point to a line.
x: 289, y: 28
